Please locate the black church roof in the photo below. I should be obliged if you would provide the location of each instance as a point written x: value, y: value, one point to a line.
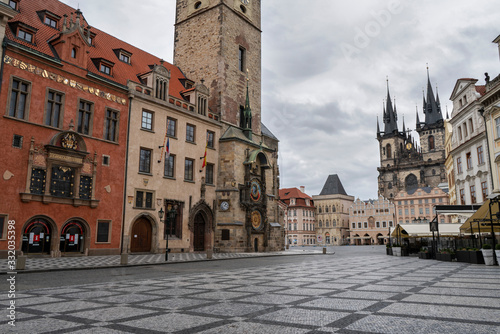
x: 333, y: 186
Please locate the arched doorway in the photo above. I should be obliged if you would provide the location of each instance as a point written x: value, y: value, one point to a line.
x: 36, y: 237
x: 380, y: 239
x: 141, y: 236
x: 72, y: 238
x: 199, y: 233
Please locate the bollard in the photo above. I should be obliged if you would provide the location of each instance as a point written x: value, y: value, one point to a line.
x: 209, y: 254
x: 21, y: 262
x: 324, y: 250
x: 124, y: 259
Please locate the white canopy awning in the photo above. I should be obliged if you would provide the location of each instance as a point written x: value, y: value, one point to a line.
x: 423, y: 230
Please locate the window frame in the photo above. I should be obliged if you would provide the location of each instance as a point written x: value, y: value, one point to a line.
x: 191, y: 134
x: 170, y: 157
x: 480, y: 155
x: 473, y: 198
x: 241, y: 58
x: 19, y: 92
x: 105, y: 68
x: 142, y: 161
x: 111, y: 122
x: 484, y: 190
x: 54, y: 103
x: 53, y: 22
x: 468, y: 159
x: 108, y: 234
x: 210, y: 139
x: 79, y: 127
x: 144, y: 199
x: 171, y: 120
x: 4, y: 226
x: 459, y: 165
x: 23, y: 33
x: 188, y: 172
x: 151, y: 123
x: 209, y: 180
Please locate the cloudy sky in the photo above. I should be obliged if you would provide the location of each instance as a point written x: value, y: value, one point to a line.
x: 325, y: 64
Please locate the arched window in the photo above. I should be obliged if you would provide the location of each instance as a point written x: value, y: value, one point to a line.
x: 388, y: 151
x: 326, y: 208
x: 320, y: 224
x: 320, y: 210
x: 333, y: 208
x: 327, y: 223
x: 431, y: 143
x: 411, y: 182
x: 73, y: 53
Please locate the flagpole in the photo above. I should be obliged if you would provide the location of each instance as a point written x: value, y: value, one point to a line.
x: 164, y: 140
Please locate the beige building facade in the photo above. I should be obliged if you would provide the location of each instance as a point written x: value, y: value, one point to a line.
x: 450, y: 173
x: 371, y: 221
x: 418, y: 205
x: 332, y: 213
x: 175, y: 182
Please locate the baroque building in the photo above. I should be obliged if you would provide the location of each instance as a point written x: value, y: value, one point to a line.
x: 371, y: 221
x: 219, y: 42
x: 300, y: 217
x: 332, y: 213
x: 406, y: 164
x: 472, y: 176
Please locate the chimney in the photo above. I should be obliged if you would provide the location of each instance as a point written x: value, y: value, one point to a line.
x: 303, y: 189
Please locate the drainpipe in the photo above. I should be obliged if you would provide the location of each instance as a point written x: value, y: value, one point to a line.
x: 126, y: 172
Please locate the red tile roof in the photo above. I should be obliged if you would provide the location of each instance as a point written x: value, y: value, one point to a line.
x: 103, y: 44
x: 481, y: 90
x: 288, y: 193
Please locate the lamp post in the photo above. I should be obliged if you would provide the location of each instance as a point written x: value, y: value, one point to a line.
x: 161, y: 213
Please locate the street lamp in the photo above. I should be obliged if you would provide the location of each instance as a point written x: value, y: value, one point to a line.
x: 161, y: 213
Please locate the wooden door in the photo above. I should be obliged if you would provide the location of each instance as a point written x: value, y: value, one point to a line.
x: 141, y: 236
x: 199, y: 233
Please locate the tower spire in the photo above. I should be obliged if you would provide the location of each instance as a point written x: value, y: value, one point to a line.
x: 432, y: 108
x: 247, y: 114
x: 390, y: 121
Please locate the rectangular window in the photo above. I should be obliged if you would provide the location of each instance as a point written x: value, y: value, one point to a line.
x: 359, y: 225
x: 384, y: 224
x: 85, y: 187
x: 468, y: 158
x: 484, y: 190
x: 209, y: 174
x: 13, y: 4
x: 480, y: 156
x: 471, y: 126
x: 2, y: 226
x: 412, y: 211
x: 147, y: 120
x: 62, y: 181
x: 145, y: 161
x: 210, y: 139
x: 497, y: 126
x: 170, y: 166
x: 23, y: 34
x: 188, y: 169
x: 421, y: 211
x: 85, y: 117
x: 225, y: 235
x: 459, y: 133
x: 190, y: 133
x: 144, y: 199
x: 103, y: 231
x: 241, y: 59
x: 459, y: 165
x: 125, y: 58
x: 462, y: 196
x: 111, y: 125
x: 473, y: 194
x: 17, y: 141
x: 50, y: 22
x: 19, y: 99
x: 37, y: 185
x: 353, y: 225
x: 53, y: 109
x: 465, y: 130
x: 406, y: 212
x: 400, y: 211
x: 427, y: 211
x: 365, y: 224
x: 378, y: 224
x: 105, y: 69
x: 171, y: 127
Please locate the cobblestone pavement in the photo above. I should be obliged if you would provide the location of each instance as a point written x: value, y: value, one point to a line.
x: 372, y: 293
x: 42, y: 264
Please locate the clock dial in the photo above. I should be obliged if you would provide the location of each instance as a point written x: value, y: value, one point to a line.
x: 255, y: 191
x: 256, y: 220
x: 224, y: 205
x: 408, y: 146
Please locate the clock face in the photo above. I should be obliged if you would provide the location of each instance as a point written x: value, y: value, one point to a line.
x: 256, y: 220
x: 408, y: 146
x: 224, y: 205
x: 255, y: 191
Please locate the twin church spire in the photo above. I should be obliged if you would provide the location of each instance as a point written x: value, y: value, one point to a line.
x: 431, y: 109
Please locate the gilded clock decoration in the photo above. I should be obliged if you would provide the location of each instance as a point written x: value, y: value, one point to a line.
x: 256, y: 220
x: 69, y: 141
x: 255, y: 191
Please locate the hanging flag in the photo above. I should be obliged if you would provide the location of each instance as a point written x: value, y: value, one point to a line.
x: 167, y: 150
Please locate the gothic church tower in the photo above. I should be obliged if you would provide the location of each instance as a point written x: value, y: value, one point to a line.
x: 219, y: 42
x: 405, y: 164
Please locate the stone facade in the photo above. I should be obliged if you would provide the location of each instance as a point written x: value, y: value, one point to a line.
x: 300, y: 218
x: 370, y: 221
x: 404, y: 163
x: 217, y: 42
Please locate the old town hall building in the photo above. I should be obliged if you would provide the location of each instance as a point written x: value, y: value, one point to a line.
x: 404, y: 163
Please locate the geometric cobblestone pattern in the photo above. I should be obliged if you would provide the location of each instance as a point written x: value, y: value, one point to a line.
x: 329, y: 294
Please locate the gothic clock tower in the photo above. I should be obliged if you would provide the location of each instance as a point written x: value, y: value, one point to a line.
x: 219, y: 42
